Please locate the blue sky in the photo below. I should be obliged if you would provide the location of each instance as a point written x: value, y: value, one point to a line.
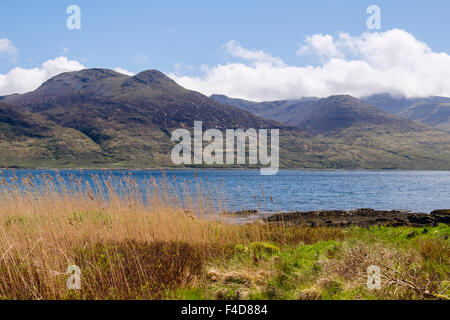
x: 122, y: 33
x: 178, y: 37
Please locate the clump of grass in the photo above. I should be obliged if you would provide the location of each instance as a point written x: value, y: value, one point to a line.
x: 434, y: 250
x: 131, y: 269
x: 413, y: 273
x: 264, y: 248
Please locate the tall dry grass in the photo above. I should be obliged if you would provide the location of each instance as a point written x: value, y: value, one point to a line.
x: 131, y: 241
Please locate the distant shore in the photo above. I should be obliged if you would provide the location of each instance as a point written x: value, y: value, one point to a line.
x: 74, y: 168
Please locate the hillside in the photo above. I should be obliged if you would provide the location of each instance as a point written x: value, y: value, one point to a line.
x: 332, y: 115
x: 355, y: 132
x: 27, y: 140
x: 150, y: 96
x: 129, y: 119
x: 289, y: 112
x: 433, y: 111
x: 328, y: 116
x: 101, y: 118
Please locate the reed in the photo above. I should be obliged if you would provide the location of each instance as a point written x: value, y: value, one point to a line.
x: 130, y: 241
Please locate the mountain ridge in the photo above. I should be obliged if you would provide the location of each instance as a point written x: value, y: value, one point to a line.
x: 433, y: 111
x: 325, y: 115
x: 101, y: 118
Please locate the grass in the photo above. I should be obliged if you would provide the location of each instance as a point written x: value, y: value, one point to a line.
x: 167, y: 243
x: 411, y: 268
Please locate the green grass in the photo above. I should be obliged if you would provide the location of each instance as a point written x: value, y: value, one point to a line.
x: 418, y: 258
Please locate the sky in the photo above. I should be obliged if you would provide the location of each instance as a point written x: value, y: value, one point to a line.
x: 257, y: 50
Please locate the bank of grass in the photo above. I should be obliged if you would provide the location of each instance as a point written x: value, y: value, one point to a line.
x: 161, y: 242
x: 414, y: 264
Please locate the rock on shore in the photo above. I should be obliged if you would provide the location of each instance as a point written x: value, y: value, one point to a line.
x: 361, y: 218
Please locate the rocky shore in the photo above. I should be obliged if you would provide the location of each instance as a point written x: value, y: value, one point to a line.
x: 361, y: 218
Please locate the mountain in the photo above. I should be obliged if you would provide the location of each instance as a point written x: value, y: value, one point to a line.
x: 240, y: 103
x: 334, y: 114
x: 126, y: 121
x: 433, y: 111
x: 129, y: 119
x: 98, y: 118
x: 289, y: 112
x: 150, y: 97
x: 326, y: 116
x: 356, y: 132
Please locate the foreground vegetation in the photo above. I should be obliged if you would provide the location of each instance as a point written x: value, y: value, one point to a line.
x: 166, y: 243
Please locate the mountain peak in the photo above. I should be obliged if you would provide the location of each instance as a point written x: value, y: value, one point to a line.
x: 150, y: 77
x: 342, y: 99
x: 67, y: 82
x: 85, y: 75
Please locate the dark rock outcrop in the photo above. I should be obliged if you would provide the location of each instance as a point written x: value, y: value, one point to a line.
x: 361, y: 218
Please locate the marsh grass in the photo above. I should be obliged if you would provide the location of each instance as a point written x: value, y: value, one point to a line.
x: 131, y: 241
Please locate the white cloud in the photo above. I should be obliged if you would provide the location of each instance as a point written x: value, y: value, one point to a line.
x: 321, y: 45
x: 6, y: 46
x: 20, y: 80
x: 257, y: 57
x: 124, y: 71
x: 393, y: 61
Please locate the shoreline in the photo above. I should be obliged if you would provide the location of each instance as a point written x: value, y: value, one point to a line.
x: 223, y: 169
x: 362, y: 218
x: 365, y: 217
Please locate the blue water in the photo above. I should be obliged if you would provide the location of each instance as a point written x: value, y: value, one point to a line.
x: 419, y: 191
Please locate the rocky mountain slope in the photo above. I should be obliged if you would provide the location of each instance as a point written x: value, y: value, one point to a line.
x: 101, y: 118
x: 433, y: 111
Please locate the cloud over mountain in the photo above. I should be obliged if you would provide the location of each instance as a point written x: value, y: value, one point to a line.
x: 124, y: 71
x: 20, y: 80
x: 393, y: 61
